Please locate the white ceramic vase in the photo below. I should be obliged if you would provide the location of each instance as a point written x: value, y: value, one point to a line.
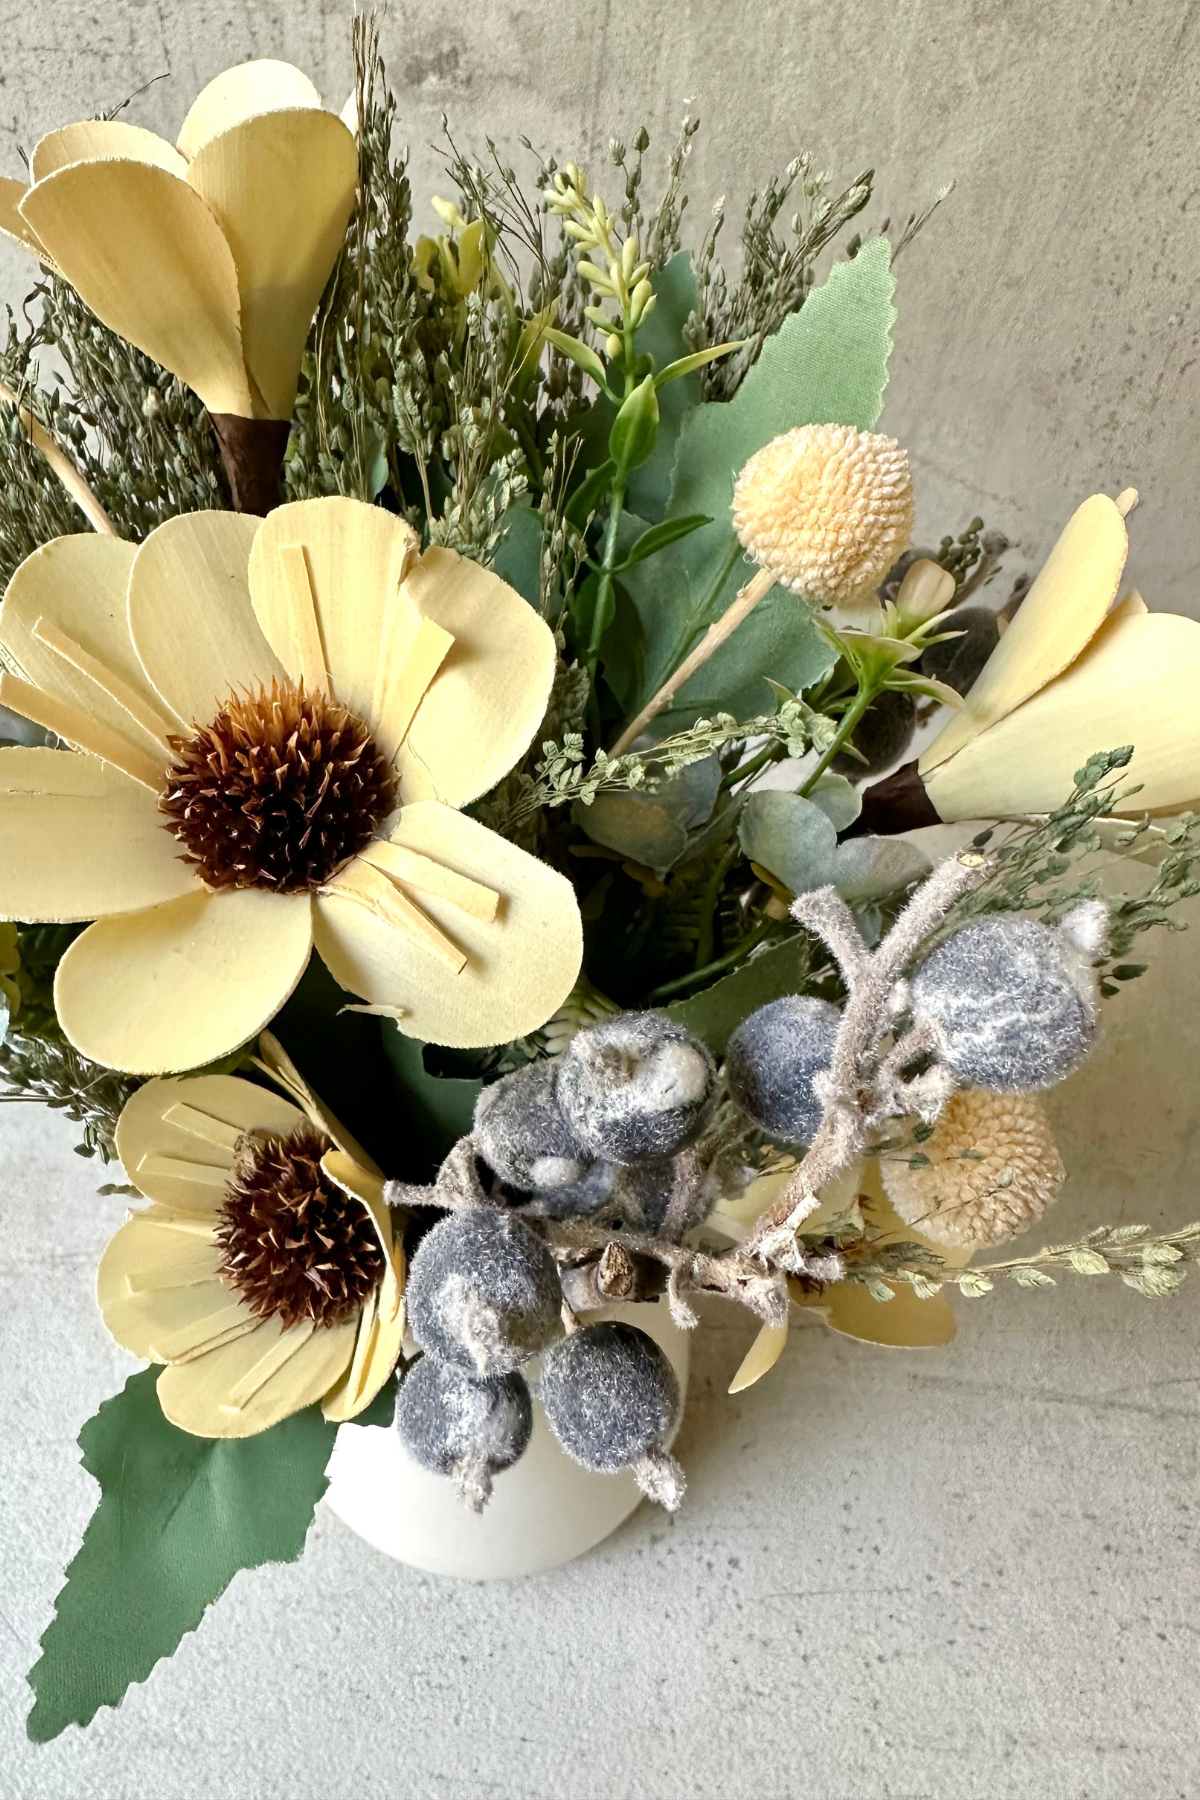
x: 543, y: 1512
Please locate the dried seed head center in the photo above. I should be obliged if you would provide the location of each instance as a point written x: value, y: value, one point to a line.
x: 281, y: 790
x: 294, y: 1245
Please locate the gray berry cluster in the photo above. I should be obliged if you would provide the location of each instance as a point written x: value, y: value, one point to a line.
x: 772, y: 1062
x: 597, y: 1129
x: 469, y: 1427
x: 1013, y: 1003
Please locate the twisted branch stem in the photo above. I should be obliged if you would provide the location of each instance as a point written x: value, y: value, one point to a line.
x: 861, y: 1088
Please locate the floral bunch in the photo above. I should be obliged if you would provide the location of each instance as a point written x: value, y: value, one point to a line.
x: 457, y: 888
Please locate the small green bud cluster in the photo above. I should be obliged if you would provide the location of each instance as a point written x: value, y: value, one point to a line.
x: 618, y: 275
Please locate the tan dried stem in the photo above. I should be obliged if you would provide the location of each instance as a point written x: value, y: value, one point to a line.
x: 60, y: 465
x: 743, y: 605
x: 865, y: 1084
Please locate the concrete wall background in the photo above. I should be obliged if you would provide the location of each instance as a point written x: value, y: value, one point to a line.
x: 1049, y: 321
x: 965, y: 1575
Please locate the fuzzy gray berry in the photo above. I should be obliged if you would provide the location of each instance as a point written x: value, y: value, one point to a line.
x: 579, y: 1201
x: 462, y: 1425
x: 1013, y: 1001
x: 958, y: 661
x: 523, y: 1135
x: 483, y: 1291
x: 771, y: 1062
x: 636, y: 1086
x: 611, y: 1399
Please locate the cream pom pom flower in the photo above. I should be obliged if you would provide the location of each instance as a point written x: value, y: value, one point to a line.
x: 826, y: 510
x: 987, y: 1173
x: 1074, y: 673
x: 274, y: 724
x: 265, y: 1273
x: 210, y: 255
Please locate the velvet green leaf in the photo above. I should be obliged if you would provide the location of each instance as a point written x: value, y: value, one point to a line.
x: 178, y: 1517
x: 828, y: 363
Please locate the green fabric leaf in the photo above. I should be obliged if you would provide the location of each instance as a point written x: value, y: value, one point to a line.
x: 432, y: 1113
x: 178, y: 1517
x: 828, y: 363
x: 519, y: 558
x: 715, y: 1014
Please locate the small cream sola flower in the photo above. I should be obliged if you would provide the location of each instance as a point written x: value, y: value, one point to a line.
x: 274, y: 723
x: 211, y: 254
x: 264, y: 1274
x: 991, y: 1170
x: 826, y: 510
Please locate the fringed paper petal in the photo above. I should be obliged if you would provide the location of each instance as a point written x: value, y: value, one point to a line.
x: 354, y: 556
x: 281, y: 187
x: 103, y: 140
x: 1065, y: 606
x: 183, y: 984
x: 519, y: 967
x: 194, y: 1121
x: 190, y: 615
x: 1136, y: 683
x: 489, y: 695
x: 80, y: 840
x: 142, y: 249
x: 263, y: 85
x: 78, y: 586
x: 250, y: 1384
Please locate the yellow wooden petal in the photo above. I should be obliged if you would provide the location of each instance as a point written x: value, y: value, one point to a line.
x: 82, y: 730
x: 361, y: 882
x: 281, y: 186
x: 12, y: 192
x: 159, y: 1289
x: 166, y: 1120
x: 761, y: 1357
x: 1136, y: 683
x: 1064, y: 607
x: 489, y: 696
x: 142, y: 249
x: 94, y: 140
x: 367, y: 1187
x: 183, y: 984
x: 376, y: 1354
x: 190, y: 615
x: 80, y: 840
x: 355, y: 555
x: 424, y: 876
x: 78, y: 586
x: 519, y: 968
x: 250, y: 87
x: 203, y: 1396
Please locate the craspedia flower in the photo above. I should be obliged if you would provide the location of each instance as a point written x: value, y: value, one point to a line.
x: 827, y: 510
x: 265, y: 1274
x: 988, y: 1172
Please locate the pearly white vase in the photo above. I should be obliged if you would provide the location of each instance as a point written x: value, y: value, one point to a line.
x: 543, y: 1512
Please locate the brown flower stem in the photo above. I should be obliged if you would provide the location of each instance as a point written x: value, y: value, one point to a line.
x: 60, y: 465
x: 740, y: 609
x: 863, y: 1085
x: 252, y: 451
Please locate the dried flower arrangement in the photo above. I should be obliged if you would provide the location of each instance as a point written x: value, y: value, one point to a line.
x: 384, y: 598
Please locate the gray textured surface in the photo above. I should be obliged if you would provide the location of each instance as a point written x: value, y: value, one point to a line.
x: 965, y: 1575
x: 1049, y: 322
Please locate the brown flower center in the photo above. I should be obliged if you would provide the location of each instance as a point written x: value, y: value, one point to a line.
x: 294, y: 1245
x: 278, y: 792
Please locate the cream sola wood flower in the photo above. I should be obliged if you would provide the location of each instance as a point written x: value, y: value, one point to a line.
x: 211, y: 254
x: 274, y: 724
x: 265, y: 1273
x: 1074, y: 673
